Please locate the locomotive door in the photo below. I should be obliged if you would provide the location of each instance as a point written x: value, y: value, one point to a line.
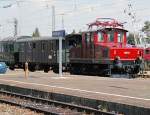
x: 88, y: 46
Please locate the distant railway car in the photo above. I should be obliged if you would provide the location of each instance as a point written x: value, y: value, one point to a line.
x: 41, y: 53
x: 8, y: 51
x: 145, y: 44
x: 104, y: 50
x: 147, y: 58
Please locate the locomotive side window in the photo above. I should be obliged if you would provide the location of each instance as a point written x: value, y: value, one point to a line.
x: 110, y: 37
x: 120, y: 37
x: 92, y: 37
x: 100, y: 37
x: 87, y: 38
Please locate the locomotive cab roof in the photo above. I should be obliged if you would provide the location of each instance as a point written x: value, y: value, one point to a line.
x: 71, y: 36
x: 106, y: 30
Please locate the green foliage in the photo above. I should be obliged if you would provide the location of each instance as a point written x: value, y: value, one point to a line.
x: 73, y: 32
x: 130, y: 39
x: 36, y: 33
x: 146, y: 28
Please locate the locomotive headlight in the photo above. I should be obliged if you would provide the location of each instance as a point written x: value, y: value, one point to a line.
x: 140, y: 57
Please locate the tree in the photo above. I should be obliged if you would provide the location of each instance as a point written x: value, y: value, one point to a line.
x: 36, y: 33
x: 146, y: 28
x: 80, y: 31
x: 73, y: 32
x: 33, y: 34
x: 130, y: 39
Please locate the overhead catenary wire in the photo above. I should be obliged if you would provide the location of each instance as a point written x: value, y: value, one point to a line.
x: 91, y: 8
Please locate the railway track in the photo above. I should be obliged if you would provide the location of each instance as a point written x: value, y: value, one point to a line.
x: 48, y: 107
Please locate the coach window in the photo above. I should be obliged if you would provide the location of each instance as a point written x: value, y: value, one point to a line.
x: 43, y: 46
x: 52, y: 45
x: 5, y: 47
x: 100, y: 37
x: 110, y: 37
x: 11, y: 46
x: 34, y: 45
x: 16, y: 47
x: 21, y: 48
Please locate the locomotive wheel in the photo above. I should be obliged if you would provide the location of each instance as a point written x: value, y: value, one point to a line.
x: 75, y: 70
x: 46, y: 69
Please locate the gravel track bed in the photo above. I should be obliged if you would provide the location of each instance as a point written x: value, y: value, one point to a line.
x: 60, y: 110
x: 6, y: 109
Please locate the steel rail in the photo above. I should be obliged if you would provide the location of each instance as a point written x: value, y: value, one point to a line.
x: 51, y: 102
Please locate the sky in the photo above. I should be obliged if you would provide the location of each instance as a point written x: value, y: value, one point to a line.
x: 69, y: 14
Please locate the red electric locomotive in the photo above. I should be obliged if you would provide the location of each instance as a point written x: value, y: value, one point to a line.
x: 103, y: 50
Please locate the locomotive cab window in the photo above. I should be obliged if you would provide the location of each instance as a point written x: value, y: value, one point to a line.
x: 75, y: 41
x: 120, y: 37
x: 87, y: 38
x: 100, y: 37
x: 110, y: 37
x: 72, y: 43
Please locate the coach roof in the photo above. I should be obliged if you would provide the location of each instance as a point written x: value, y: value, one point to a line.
x: 31, y: 39
x: 8, y: 39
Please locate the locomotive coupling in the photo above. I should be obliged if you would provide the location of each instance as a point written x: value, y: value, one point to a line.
x: 138, y: 65
x: 139, y: 60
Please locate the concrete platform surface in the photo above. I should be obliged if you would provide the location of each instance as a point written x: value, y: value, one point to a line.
x: 134, y: 92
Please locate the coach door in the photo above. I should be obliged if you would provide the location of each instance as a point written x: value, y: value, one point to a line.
x: 53, y: 51
x: 28, y: 52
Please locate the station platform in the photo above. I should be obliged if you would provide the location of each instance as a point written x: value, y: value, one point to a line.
x: 135, y: 92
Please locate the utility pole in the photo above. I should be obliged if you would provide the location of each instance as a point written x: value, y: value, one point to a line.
x: 75, y: 4
x: 15, y: 27
x: 53, y: 18
x: 62, y: 21
x: 130, y: 12
x: 60, y: 56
